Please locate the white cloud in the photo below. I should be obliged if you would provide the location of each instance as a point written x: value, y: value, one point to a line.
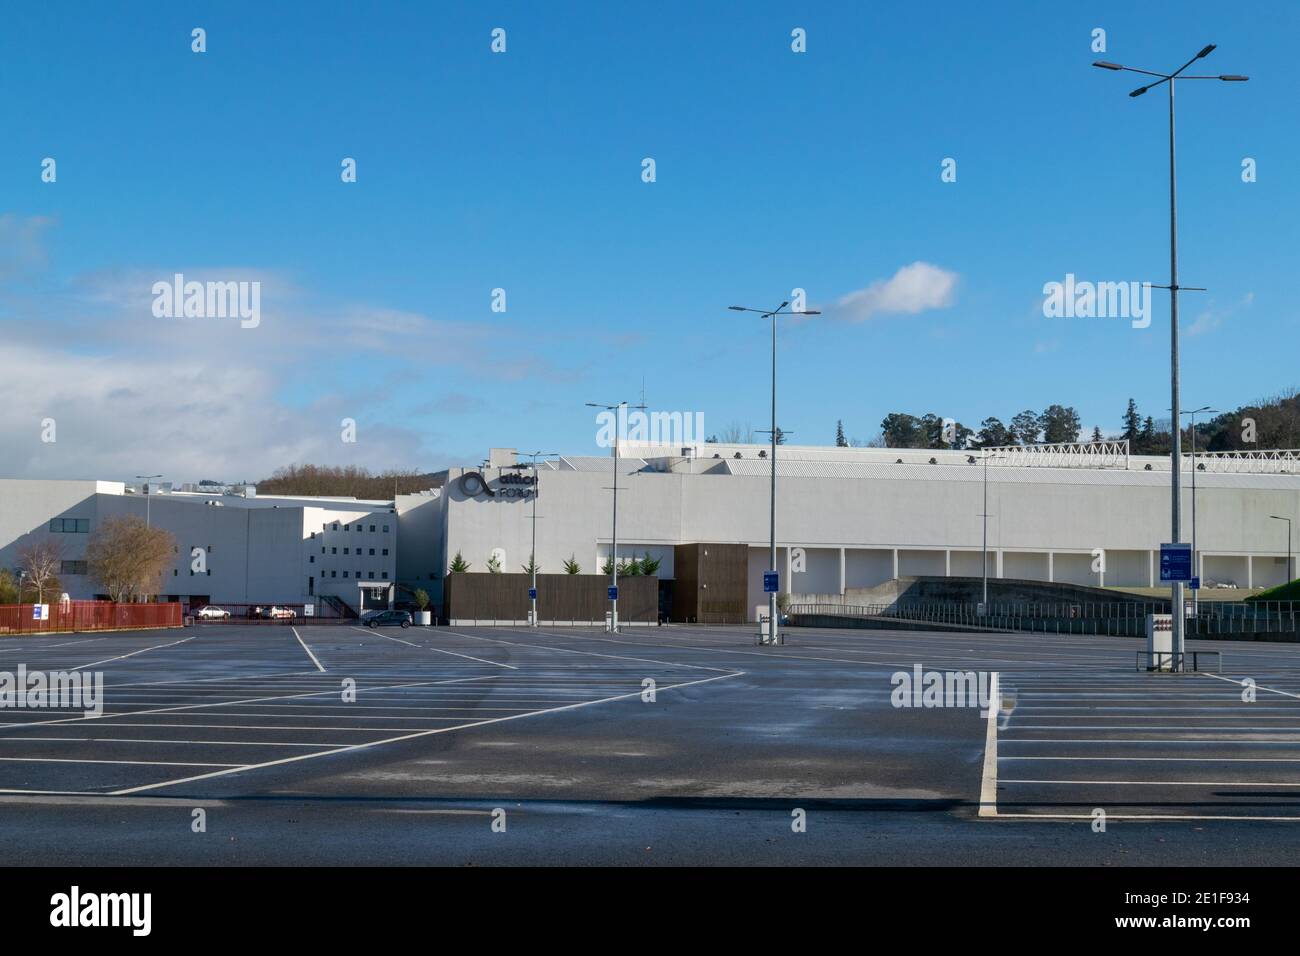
x: 914, y: 288
x: 202, y: 397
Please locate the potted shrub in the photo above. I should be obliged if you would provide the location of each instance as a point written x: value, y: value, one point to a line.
x: 424, y: 616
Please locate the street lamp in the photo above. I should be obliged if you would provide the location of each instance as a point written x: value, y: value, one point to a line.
x: 146, y: 495
x: 984, y: 604
x: 532, y: 554
x: 613, y: 560
x: 1290, y: 575
x: 773, y: 633
x: 1196, y: 561
x: 1175, y: 453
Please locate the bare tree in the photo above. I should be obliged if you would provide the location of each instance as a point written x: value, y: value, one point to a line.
x: 738, y: 434
x: 40, y: 563
x: 128, y: 557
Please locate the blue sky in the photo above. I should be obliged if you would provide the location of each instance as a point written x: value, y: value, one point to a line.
x: 522, y: 171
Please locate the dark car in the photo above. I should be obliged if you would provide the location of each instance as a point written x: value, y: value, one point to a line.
x: 389, y: 618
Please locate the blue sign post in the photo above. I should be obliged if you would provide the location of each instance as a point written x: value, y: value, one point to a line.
x: 612, y: 591
x: 532, y: 594
x: 1175, y: 562
x: 771, y: 582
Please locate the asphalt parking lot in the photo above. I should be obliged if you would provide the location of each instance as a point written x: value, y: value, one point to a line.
x: 676, y: 745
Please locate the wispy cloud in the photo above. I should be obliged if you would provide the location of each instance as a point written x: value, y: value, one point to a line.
x: 914, y: 288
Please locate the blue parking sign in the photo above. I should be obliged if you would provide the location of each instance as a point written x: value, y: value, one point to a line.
x: 532, y: 594
x: 771, y: 582
x: 1175, y: 562
x: 612, y: 591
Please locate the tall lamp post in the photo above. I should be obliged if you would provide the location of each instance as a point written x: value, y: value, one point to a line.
x: 147, y: 496
x: 1176, y: 451
x: 532, y: 554
x: 1196, y: 561
x: 773, y: 632
x: 1290, y: 574
x: 613, y: 553
x: 984, y: 604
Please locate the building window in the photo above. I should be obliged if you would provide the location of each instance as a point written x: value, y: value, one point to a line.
x: 385, y: 575
x: 372, y: 550
x: 385, y: 529
x: 346, y: 528
x: 372, y: 527
x: 311, y: 559
x: 70, y: 525
x: 334, y: 574
x: 345, y: 550
x: 372, y: 575
x: 336, y: 526
x: 385, y: 551
x: 313, y: 535
x: 345, y: 574
x: 334, y: 550
x: 72, y: 567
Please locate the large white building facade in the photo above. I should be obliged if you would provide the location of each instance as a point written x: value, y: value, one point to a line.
x: 856, y: 518
x: 254, y: 550
x: 845, y: 518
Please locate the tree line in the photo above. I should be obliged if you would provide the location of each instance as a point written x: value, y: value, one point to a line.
x: 1269, y: 423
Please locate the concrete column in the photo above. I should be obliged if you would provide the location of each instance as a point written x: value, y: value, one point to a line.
x: 842, y: 572
x: 789, y: 563
x: 1051, y: 567
x: 947, y: 563
x: 997, y: 556
x: 895, y: 564
x: 1151, y: 569
x: 1250, y: 571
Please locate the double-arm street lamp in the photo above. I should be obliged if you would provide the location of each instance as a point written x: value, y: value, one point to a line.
x: 1176, y: 452
x: 773, y: 633
x: 532, y: 554
x: 613, y: 551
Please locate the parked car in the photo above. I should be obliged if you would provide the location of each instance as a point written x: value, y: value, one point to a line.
x: 388, y: 619
x: 209, y: 613
x: 277, y: 613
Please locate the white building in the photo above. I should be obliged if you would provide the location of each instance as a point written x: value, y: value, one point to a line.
x: 250, y: 549
x: 857, y: 517
x: 846, y: 518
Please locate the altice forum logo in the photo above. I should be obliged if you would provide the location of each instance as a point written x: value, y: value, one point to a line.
x: 1102, y: 300
x: 208, y: 300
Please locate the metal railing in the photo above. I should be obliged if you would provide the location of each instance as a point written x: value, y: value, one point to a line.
x: 18, y: 619
x: 1113, y: 618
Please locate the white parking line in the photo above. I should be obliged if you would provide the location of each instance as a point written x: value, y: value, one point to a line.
x: 989, y: 779
x: 122, y: 657
x: 412, y: 736
x: 142, y: 763
x: 319, y: 667
x: 438, y: 650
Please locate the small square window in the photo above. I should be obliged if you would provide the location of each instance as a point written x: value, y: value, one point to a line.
x: 372, y: 575
x: 345, y: 574
x: 311, y: 559
x: 345, y: 550
x: 372, y: 527
x: 385, y: 529
x: 372, y: 550
x: 385, y: 551
x: 385, y: 575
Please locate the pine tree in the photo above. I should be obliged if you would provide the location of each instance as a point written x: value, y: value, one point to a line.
x: 840, y: 440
